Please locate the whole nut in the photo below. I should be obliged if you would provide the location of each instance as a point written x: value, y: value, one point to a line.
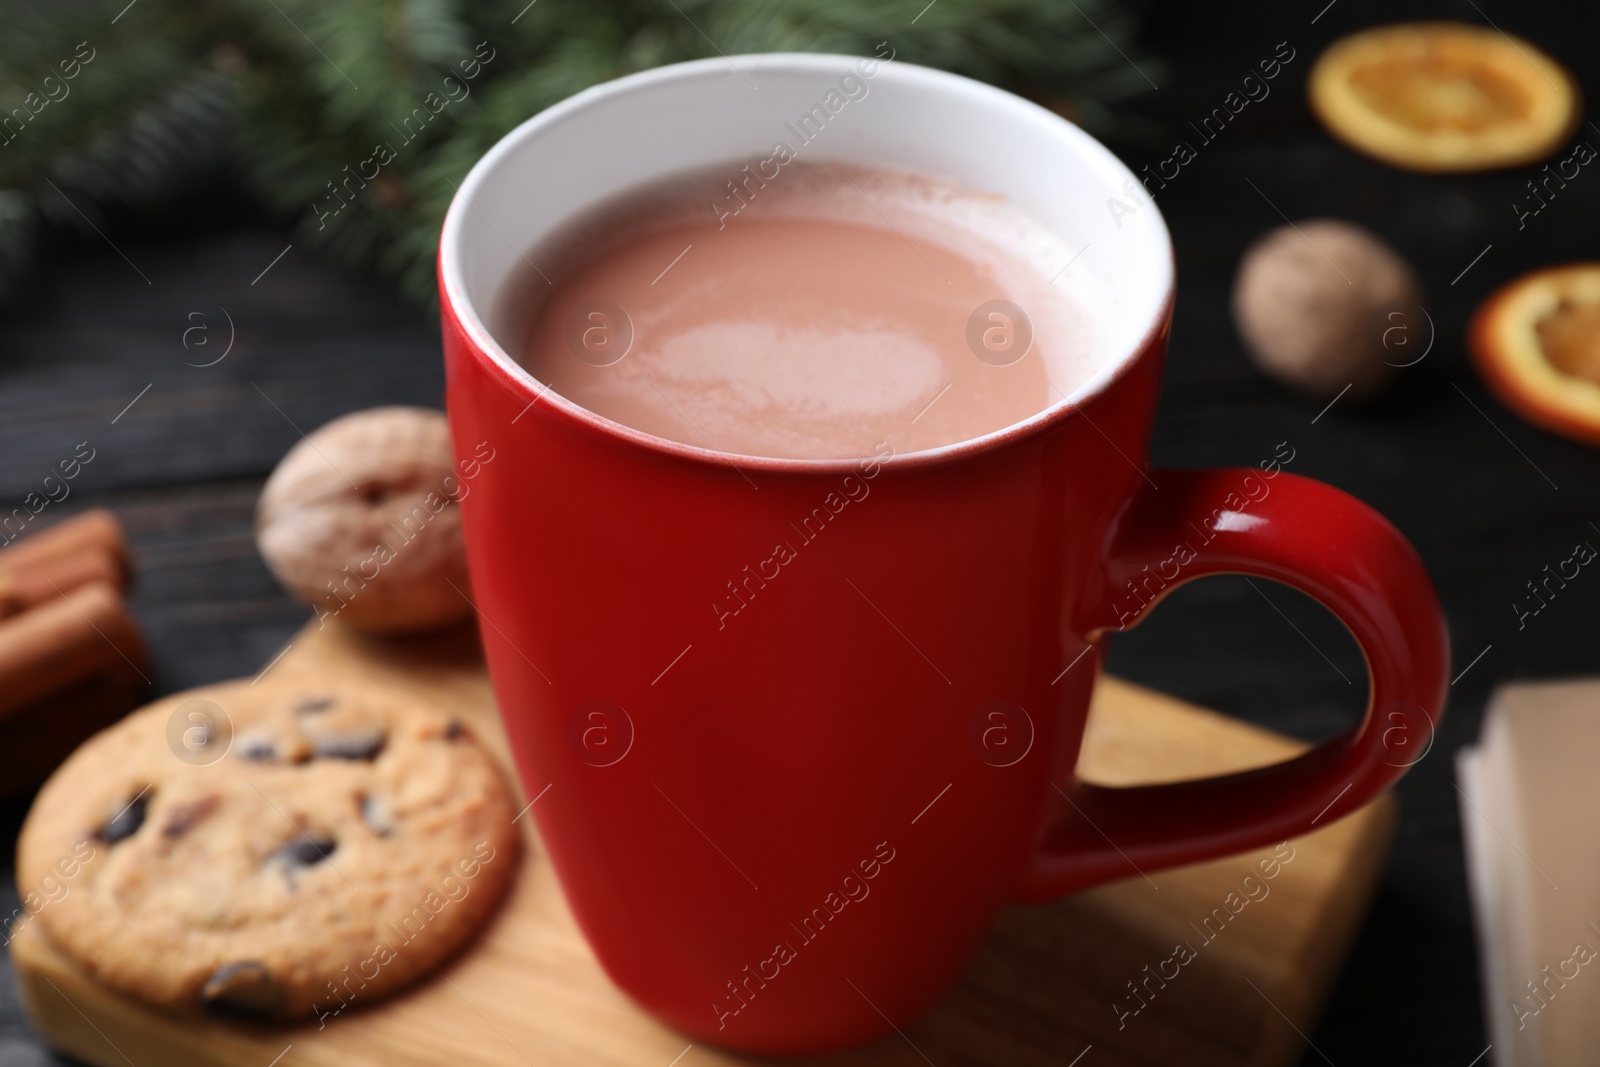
x: 361, y: 521
x: 1324, y: 304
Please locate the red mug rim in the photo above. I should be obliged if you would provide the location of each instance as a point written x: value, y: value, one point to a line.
x: 515, y: 377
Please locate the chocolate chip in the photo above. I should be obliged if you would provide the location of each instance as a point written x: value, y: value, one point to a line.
x: 454, y: 729
x: 258, y: 749
x: 185, y: 817
x: 312, y: 705
x: 376, y: 814
x: 352, y: 745
x: 305, y: 851
x: 245, y: 989
x: 125, y: 823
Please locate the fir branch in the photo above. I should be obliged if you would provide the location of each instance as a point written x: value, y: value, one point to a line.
x: 358, y: 118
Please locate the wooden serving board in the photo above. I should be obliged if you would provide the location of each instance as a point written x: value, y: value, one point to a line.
x: 1041, y: 992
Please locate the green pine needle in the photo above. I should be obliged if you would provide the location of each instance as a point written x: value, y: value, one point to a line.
x: 301, y: 94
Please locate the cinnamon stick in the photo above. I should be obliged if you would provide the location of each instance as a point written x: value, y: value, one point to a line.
x: 64, y: 640
x: 91, y: 531
x: 22, y: 588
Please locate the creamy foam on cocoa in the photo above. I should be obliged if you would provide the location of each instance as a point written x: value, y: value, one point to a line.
x: 811, y: 315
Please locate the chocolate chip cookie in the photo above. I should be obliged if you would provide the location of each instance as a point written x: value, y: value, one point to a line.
x: 271, y: 851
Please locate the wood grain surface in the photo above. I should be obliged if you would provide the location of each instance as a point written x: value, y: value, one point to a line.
x: 1051, y: 980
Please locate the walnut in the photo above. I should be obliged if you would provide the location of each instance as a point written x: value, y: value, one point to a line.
x: 361, y: 521
x: 1324, y: 304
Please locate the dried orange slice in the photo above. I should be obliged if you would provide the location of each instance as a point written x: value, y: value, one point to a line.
x: 1444, y: 96
x: 1537, y: 343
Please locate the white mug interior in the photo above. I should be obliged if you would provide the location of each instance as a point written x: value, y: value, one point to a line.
x: 614, y: 138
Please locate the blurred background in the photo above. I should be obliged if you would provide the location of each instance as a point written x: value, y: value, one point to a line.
x: 186, y: 290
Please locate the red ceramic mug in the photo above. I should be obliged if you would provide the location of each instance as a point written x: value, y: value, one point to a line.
x: 798, y: 728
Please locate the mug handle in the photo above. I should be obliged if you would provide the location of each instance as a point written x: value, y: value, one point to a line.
x: 1322, y: 542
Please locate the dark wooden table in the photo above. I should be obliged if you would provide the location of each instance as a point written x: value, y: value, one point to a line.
x: 1486, y: 499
